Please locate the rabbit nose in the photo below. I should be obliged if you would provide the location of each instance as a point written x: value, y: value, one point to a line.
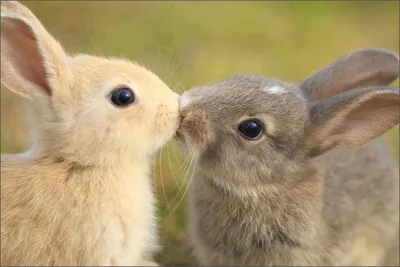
x: 184, y: 101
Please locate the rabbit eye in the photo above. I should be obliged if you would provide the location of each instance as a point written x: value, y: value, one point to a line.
x: 251, y: 129
x: 122, y: 97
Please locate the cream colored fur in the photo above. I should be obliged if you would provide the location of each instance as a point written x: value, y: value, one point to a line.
x: 82, y: 194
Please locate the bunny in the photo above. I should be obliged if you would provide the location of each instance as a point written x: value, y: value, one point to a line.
x: 82, y: 194
x: 292, y: 175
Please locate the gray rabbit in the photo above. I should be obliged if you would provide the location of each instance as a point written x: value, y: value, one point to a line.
x: 295, y: 174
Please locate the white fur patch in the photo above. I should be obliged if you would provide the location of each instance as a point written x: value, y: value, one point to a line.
x: 275, y: 89
x: 184, y: 101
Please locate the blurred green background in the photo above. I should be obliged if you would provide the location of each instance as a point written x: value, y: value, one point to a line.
x: 192, y: 43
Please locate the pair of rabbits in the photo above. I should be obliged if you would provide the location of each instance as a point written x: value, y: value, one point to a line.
x: 286, y: 174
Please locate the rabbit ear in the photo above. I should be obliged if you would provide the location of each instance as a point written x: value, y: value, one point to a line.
x: 364, y: 67
x: 353, y: 118
x: 32, y: 63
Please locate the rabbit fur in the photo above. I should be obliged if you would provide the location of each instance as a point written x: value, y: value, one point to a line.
x: 319, y: 187
x: 82, y: 194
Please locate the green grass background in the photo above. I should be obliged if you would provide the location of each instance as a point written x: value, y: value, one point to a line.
x: 192, y: 43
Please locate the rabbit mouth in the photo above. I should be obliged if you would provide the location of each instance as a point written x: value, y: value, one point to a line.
x: 179, y: 136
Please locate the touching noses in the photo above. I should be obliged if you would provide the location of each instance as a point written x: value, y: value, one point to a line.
x: 184, y: 100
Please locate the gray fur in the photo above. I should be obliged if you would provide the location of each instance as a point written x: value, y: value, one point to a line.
x: 368, y: 67
x: 309, y: 192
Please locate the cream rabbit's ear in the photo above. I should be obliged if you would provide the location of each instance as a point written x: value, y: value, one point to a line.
x: 33, y: 63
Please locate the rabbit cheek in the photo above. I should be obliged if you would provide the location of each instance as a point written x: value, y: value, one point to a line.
x: 167, y: 122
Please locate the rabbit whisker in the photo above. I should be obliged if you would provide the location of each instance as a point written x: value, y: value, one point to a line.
x: 162, y: 178
x: 186, y: 190
x: 171, y: 168
x: 183, y: 182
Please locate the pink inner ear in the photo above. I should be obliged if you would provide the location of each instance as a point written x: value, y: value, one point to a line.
x: 25, y: 54
x: 368, y: 118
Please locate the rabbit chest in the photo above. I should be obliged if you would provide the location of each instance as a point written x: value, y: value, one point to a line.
x: 228, y: 231
x: 88, y: 219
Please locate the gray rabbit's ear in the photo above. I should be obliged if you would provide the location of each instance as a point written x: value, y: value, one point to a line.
x: 364, y: 67
x: 352, y: 119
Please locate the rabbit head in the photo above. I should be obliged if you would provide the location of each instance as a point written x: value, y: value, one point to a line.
x: 86, y: 109
x: 248, y: 130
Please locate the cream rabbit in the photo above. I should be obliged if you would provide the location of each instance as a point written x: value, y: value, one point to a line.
x: 82, y: 195
x: 291, y: 175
